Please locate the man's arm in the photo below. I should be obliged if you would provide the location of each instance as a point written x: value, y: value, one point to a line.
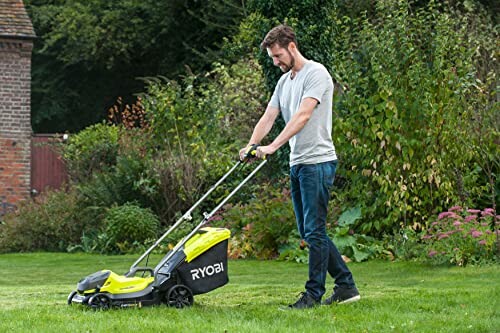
x: 262, y: 128
x: 264, y: 125
x: 297, y: 123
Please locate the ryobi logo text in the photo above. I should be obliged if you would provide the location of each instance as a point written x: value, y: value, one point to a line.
x: 203, y: 272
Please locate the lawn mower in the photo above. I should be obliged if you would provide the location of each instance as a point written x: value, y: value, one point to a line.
x: 196, y: 265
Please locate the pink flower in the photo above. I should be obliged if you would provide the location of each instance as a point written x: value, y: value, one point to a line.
x: 443, y: 236
x: 444, y: 214
x: 482, y: 242
x: 484, y: 224
x: 476, y: 234
x: 434, y: 223
x: 470, y: 218
x: 488, y: 232
x: 427, y: 236
x: 457, y: 223
x: 432, y: 253
x: 454, y: 208
x: 487, y: 212
x: 473, y: 211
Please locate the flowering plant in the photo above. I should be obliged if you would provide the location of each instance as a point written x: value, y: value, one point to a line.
x: 461, y: 236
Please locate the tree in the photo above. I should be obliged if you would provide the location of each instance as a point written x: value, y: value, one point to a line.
x: 89, y: 52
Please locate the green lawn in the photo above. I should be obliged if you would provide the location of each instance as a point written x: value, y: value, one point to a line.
x: 396, y: 297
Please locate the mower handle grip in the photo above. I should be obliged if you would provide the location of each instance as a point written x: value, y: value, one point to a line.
x: 250, y: 153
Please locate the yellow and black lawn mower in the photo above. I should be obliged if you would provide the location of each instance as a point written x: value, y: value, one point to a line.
x: 196, y: 265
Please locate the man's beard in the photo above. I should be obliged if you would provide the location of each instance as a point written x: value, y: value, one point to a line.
x: 287, y: 68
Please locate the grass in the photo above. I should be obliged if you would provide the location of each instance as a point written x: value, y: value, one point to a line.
x: 396, y: 297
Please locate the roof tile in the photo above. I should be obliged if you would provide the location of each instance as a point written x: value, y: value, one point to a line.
x: 14, y: 20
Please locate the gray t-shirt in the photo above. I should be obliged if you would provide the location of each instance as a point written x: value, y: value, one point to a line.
x: 313, y: 144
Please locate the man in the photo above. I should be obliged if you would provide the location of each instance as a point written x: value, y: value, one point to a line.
x: 303, y: 96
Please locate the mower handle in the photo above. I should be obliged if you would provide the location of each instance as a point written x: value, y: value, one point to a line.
x: 209, y: 216
x: 251, y: 153
x: 186, y: 216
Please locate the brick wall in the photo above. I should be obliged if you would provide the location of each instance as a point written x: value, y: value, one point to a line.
x: 15, y: 121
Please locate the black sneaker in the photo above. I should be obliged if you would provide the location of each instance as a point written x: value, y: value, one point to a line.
x: 343, y: 295
x: 304, y: 302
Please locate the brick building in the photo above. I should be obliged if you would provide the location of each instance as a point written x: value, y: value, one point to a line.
x: 16, y: 44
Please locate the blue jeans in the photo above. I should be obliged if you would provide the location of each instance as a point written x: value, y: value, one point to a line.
x: 310, y: 186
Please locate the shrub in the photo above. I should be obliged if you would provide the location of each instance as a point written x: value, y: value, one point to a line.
x: 129, y: 116
x: 171, y: 183
x: 462, y: 236
x: 401, y: 244
x: 357, y: 247
x: 116, y: 186
x: 91, y: 150
x: 404, y: 128
x: 196, y: 129
x: 128, y: 228
x: 119, y: 183
x: 49, y: 223
x: 234, y: 93
x: 264, y: 227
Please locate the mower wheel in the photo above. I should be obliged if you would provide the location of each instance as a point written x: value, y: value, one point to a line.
x: 179, y: 296
x: 70, y: 297
x: 100, y: 301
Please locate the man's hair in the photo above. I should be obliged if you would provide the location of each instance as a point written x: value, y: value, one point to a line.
x: 281, y: 35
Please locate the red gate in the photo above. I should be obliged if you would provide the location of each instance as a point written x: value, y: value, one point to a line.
x: 47, y: 168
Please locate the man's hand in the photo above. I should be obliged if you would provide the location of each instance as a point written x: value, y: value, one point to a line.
x: 243, y: 152
x: 260, y: 152
x: 248, y: 152
x: 263, y: 151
